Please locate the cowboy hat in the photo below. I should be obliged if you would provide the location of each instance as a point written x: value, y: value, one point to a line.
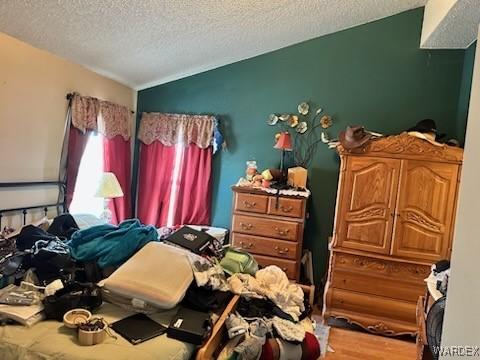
x: 430, y: 137
x: 354, y: 137
x: 427, y: 126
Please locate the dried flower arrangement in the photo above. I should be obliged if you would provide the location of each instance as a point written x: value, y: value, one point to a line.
x: 309, y: 131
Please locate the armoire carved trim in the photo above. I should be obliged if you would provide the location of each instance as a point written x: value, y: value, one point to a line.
x: 379, y: 328
x: 405, y: 144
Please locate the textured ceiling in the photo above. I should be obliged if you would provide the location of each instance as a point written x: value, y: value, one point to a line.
x: 142, y: 43
x: 453, y: 24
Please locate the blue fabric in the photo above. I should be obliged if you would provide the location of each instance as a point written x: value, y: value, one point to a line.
x: 218, y: 139
x: 111, y: 245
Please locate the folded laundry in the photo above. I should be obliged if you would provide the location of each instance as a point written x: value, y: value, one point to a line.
x: 111, y: 245
x: 272, y: 283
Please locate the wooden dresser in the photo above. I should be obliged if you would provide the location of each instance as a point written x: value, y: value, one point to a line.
x: 395, y: 215
x: 270, y: 227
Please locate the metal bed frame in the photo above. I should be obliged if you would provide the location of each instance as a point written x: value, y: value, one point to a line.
x: 60, y: 205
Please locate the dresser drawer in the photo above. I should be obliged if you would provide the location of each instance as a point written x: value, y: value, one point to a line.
x: 288, y: 266
x: 393, y: 270
x: 284, y: 230
x: 373, y: 305
x: 376, y: 285
x: 251, y: 203
x: 285, y: 207
x: 265, y: 246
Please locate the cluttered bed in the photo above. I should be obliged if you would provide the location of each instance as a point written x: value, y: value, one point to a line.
x: 137, y: 292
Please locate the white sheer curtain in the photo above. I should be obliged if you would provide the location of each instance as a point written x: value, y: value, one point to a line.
x: 89, y: 173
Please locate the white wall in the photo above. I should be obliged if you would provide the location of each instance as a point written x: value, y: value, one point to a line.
x: 435, y: 11
x: 462, y: 317
x: 33, y: 85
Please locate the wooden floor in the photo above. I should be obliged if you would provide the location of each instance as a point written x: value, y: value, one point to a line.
x: 355, y: 345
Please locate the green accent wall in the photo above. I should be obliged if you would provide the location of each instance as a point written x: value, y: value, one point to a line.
x: 374, y: 75
x: 465, y: 87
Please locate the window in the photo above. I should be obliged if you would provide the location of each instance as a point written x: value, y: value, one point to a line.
x: 88, y: 178
x: 179, y: 151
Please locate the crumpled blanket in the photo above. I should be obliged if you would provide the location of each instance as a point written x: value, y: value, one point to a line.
x: 272, y: 283
x: 111, y: 245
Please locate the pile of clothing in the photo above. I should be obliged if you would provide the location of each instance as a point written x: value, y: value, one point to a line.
x: 129, y: 266
x: 271, y: 320
x: 72, y: 259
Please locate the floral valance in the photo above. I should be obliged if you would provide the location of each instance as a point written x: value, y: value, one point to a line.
x: 114, y: 120
x: 109, y: 119
x: 171, y: 129
x: 85, y: 111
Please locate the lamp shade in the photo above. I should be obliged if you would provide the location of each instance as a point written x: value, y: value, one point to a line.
x: 284, y: 142
x: 109, y: 188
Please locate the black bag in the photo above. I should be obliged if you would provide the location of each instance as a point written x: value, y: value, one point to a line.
x: 74, y: 295
x: 190, y: 326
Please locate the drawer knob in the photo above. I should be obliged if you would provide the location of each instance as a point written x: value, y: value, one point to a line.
x: 284, y: 269
x: 246, y: 246
x: 246, y: 226
x: 249, y: 205
x: 281, y: 252
x: 282, y: 232
x: 286, y: 209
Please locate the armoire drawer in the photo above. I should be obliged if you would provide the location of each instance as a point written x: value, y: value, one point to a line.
x: 372, y: 305
x: 265, y: 246
x: 285, y: 207
x: 375, y: 285
x: 288, y: 266
x: 393, y: 270
x: 251, y: 203
x: 279, y: 229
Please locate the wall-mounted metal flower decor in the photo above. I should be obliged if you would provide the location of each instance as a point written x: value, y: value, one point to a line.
x: 308, y: 131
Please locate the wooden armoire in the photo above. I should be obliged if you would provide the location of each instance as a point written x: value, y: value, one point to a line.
x: 395, y: 216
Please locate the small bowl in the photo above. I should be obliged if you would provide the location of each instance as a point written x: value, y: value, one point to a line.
x: 92, y: 337
x: 75, y: 317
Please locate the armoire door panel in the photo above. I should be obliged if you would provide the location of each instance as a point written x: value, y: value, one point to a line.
x: 425, y: 210
x: 368, y: 204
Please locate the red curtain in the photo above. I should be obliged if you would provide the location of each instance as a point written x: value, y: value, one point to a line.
x: 194, y: 192
x: 155, y: 182
x: 77, y: 141
x: 117, y: 159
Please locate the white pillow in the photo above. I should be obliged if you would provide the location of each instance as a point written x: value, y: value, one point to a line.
x: 158, y: 274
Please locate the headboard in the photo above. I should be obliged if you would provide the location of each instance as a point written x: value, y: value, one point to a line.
x: 60, y: 205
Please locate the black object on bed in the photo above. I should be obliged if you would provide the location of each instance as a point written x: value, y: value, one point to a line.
x: 191, y: 239
x: 138, y: 328
x: 190, y: 326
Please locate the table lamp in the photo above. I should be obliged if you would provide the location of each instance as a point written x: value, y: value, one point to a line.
x: 108, y: 188
x: 284, y: 143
